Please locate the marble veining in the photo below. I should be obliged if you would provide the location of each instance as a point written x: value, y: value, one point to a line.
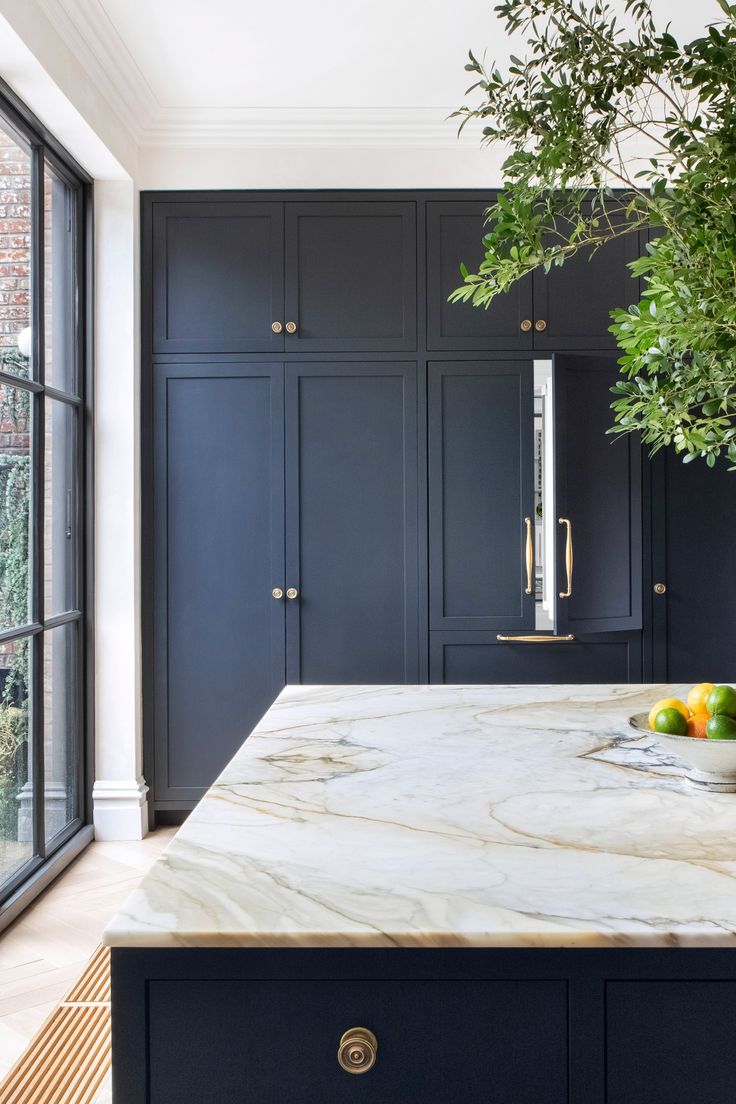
x: 446, y: 816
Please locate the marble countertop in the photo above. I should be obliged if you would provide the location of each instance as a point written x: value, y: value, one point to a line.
x: 490, y: 816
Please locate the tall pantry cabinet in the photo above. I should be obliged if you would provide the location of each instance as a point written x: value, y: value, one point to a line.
x: 339, y: 464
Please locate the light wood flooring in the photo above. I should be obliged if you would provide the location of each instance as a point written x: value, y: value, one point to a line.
x: 44, y: 952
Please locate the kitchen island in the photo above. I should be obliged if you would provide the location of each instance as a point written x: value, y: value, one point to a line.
x: 520, y: 896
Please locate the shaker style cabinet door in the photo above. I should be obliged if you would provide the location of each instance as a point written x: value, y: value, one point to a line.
x: 219, y: 540
x: 351, y: 528
x: 217, y: 277
x: 598, y: 502
x: 481, y: 420
x: 573, y: 304
x: 454, y: 235
x: 351, y: 282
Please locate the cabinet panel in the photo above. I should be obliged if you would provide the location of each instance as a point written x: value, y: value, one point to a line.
x: 257, y: 1041
x: 218, y: 277
x: 454, y: 235
x: 219, y: 634
x: 351, y: 276
x: 598, y: 489
x: 665, y: 1043
x: 480, y: 490
x: 575, y: 300
x: 473, y: 657
x: 352, y: 536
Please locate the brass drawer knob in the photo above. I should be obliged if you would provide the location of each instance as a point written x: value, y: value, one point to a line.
x: 277, y: 592
x: 526, y: 325
x: 540, y: 325
x: 277, y: 327
x: 357, y: 1051
x: 292, y: 592
x: 291, y: 327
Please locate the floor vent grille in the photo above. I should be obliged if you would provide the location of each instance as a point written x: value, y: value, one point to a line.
x: 66, y: 1062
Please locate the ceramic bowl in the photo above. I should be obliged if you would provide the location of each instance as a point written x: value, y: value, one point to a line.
x: 710, y: 764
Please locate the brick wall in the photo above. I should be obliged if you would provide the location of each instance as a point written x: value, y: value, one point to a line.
x: 15, y: 241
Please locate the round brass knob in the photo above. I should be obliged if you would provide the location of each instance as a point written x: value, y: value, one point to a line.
x: 357, y: 1051
x: 540, y: 325
x: 277, y: 327
x: 277, y: 592
x: 660, y: 588
x: 526, y: 325
x: 292, y: 592
x: 291, y: 327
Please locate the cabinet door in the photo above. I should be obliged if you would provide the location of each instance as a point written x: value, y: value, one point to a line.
x: 217, y: 277
x: 219, y: 633
x: 473, y: 657
x: 598, y: 502
x: 352, y: 537
x: 481, y: 421
x: 351, y: 276
x: 575, y: 301
x: 454, y: 235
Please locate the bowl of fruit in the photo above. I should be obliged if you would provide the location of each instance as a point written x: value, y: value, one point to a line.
x: 701, y: 732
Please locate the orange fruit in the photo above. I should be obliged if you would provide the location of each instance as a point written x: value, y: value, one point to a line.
x: 696, y: 725
x: 667, y: 703
x: 698, y: 696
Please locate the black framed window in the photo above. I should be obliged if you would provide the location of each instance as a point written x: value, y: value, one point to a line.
x: 44, y: 413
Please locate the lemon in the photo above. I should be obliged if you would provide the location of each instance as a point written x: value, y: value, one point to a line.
x: 698, y: 696
x: 668, y: 703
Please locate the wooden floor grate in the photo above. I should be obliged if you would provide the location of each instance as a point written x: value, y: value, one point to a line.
x: 66, y: 1062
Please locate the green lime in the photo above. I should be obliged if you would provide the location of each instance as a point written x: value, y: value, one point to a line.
x: 670, y: 721
x: 721, y: 728
x: 721, y: 701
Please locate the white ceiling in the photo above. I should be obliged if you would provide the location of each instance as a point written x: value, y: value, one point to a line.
x: 291, y: 72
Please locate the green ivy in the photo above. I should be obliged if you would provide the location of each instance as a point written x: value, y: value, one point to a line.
x: 595, y: 87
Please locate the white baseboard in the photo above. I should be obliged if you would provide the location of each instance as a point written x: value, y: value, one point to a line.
x: 120, y: 810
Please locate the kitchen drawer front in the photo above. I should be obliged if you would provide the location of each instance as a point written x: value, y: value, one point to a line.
x: 670, y: 1042
x: 439, y: 1042
x: 480, y: 657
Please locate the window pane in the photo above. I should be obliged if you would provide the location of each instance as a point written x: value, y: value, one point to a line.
x: 15, y: 254
x: 15, y: 505
x: 59, y: 509
x: 16, y: 795
x: 59, y: 291
x: 59, y: 727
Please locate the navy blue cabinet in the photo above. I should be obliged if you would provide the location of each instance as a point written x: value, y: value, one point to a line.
x: 219, y: 552
x: 481, y: 419
x: 352, y: 522
x: 472, y: 657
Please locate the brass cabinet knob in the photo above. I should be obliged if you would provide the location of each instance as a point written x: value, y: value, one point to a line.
x: 277, y: 592
x: 539, y: 325
x: 291, y: 327
x: 357, y: 1051
x: 526, y: 325
x: 660, y: 588
x: 292, y: 592
x: 277, y: 327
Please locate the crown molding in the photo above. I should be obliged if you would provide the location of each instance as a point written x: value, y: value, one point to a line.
x: 89, y: 33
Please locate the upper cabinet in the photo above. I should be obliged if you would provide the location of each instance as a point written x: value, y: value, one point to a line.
x: 573, y: 303
x: 250, y: 277
x: 351, y: 281
x: 218, y: 277
x: 454, y: 236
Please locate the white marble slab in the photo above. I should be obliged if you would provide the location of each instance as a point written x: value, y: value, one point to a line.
x: 486, y: 816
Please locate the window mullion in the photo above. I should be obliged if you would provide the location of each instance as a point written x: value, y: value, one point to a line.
x: 38, y: 451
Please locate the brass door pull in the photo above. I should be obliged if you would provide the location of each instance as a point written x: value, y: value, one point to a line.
x: 538, y: 639
x: 292, y: 592
x: 540, y: 325
x: 277, y: 327
x: 291, y: 327
x: 277, y: 592
x: 568, y: 557
x: 529, y: 556
x: 357, y: 1051
x: 526, y: 325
